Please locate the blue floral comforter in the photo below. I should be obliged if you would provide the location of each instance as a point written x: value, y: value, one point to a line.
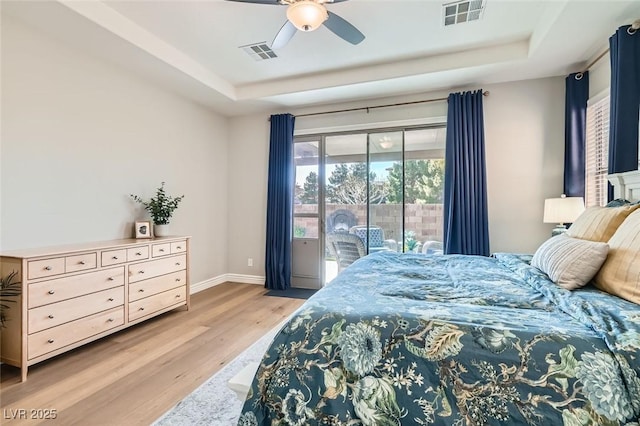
x: 456, y: 340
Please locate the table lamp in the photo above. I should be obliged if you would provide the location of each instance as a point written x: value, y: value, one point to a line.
x: 562, y: 210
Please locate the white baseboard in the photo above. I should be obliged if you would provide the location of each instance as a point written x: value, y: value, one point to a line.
x: 246, y: 279
x: 236, y: 278
x: 211, y: 282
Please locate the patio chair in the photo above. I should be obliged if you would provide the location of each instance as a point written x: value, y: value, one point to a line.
x: 341, y: 220
x: 346, y: 248
x: 376, y: 235
x: 432, y: 247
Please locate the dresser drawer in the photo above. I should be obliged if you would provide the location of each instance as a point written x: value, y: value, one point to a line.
x: 52, y: 315
x: 158, y: 250
x: 45, y: 268
x: 66, y: 334
x: 178, y: 247
x: 155, y: 268
x: 55, y: 290
x: 147, y: 288
x: 137, y: 253
x: 114, y: 257
x: 149, y: 305
x: 80, y: 262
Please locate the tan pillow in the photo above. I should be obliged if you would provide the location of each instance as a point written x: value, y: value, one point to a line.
x: 620, y: 274
x: 570, y: 262
x: 599, y: 223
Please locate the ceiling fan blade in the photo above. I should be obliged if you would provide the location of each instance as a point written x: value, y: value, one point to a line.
x: 285, y: 34
x: 276, y: 2
x: 343, y: 29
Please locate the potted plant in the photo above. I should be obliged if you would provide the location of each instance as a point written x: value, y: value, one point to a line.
x: 9, y: 290
x: 161, y: 208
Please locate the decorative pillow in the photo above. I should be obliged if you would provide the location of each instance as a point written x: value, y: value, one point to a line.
x: 599, y: 223
x: 570, y: 262
x: 618, y: 202
x: 620, y: 274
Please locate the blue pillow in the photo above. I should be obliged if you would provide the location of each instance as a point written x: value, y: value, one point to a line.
x: 618, y: 202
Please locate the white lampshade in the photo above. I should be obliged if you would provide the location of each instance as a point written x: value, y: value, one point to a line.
x: 562, y: 210
x: 307, y: 15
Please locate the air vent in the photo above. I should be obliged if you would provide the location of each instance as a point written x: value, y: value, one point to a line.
x: 259, y: 51
x: 462, y: 11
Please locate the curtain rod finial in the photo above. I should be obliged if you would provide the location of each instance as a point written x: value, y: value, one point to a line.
x: 485, y: 93
x: 636, y: 24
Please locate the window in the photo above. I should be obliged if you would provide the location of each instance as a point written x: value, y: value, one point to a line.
x: 596, y: 151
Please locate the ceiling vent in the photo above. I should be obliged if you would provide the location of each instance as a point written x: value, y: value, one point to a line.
x: 259, y: 51
x: 459, y: 12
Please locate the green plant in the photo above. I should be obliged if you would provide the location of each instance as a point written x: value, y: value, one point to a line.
x: 160, y: 207
x: 8, y: 291
x: 410, y: 242
x: 299, y: 231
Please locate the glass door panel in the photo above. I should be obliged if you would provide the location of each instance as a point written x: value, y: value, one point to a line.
x: 345, y: 198
x: 385, y: 192
x: 306, y: 255
x: 424, y: 189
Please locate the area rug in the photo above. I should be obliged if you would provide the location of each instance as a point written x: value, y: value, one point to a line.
x: 295, y: 293
x: 213, y: 403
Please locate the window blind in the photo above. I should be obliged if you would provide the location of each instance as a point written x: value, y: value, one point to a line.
x: 596, y: 152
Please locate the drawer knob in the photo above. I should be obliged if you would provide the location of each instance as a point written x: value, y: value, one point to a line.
x: 114, y: 257
x: 50, y: 316
x: 138, y: 254
x: 161, y: 250
x: 47, y: 268
x: 50, y: 340
x: 110, y: 278
x: 178, y: 279
x: 141, y: 290
x: 177, y: 296
x: 51, y: 292
x: 179, y: 247
x: 110, y: 320
x: 82, y: 262
x: 177, y: 263
x: 141, y: 272
x: 141, y: 309
x: 110, y: 299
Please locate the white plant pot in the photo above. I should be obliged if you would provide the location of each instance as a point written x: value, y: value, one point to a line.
x: 161, y: 230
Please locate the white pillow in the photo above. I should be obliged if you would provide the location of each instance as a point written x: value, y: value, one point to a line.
x: 569, y: 262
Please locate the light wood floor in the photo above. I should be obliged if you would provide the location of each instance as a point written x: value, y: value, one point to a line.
x: 135, y: 375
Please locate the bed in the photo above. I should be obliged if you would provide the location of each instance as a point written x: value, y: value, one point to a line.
x: 414, y: 339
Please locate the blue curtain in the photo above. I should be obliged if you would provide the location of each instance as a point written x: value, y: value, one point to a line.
x: 279, y: 203
x: 625, y: 97
x: 575, y: 126
x: 466, y: 225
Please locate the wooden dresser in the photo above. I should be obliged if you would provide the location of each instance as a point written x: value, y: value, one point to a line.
x: 75, y: 294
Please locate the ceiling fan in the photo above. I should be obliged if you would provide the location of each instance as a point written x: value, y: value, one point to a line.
x: 308, y: 15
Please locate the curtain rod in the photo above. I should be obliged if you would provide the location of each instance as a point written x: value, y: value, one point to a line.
x: 635, y: 26
x: 485, y: 93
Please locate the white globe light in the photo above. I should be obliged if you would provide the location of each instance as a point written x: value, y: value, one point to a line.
x: 307, y: 15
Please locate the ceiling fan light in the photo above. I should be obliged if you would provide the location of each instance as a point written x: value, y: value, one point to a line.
x: 307, y: 15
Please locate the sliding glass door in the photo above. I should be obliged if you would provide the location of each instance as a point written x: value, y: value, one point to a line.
x: 306, y: 270
x: 363, y: 192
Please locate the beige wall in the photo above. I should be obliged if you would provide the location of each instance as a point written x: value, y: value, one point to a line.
x: 524, y: 132
x: 600, y: 76
x: 79, y: 134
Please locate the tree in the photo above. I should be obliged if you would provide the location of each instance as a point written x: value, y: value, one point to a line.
x: 348, y: 185
x: 309, y: 193
x: 424, y: 182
